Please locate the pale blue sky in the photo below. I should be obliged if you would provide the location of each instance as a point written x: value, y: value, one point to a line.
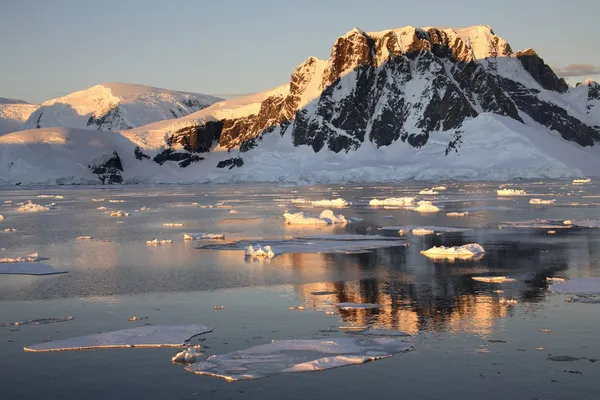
x: 50, y: 48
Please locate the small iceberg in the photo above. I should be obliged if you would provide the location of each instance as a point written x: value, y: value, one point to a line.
x: 426, y: 207
x: 493, y: 279
x: 581, y: 181
x: 327, y: 217
x: 84, y: 237
x: 32, y: 207
x: 393, y: 201
x: 157, y: 242
x: 357, y: 306
x: 203, y: 236
x: 260, y: 252
x: 541, y: 201
x: 464, y: 251
x: 422, y: 232
x: 428, y: 192
x: 457, y: 214
x: 187, y: 356
x: 510, y: 192
x: 284, y: 356
x: 149, y: 336
x: 9, y: 230
x: 331, y: 203
x: 173, y: 225
x: 1, y: 217
x: 119, y: 213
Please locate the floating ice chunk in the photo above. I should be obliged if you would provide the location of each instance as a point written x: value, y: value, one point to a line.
x: 283, y: 356
x: 84, y: 237
x: 541, y: 201
x: 422, y: 232
x: 233, y: 211
x: 510, y: 192
x: 157, y: 242
x: 300, y: 201
x: 143, y: 336
x: 144, y: 209
x: 434, y: 228
x: 9, y: 230
x: 440, y: 188
x: 357, y: 306
x: 330, y: 203
x: 554, y: 279
x: 510, y: 302
x: 49, y: 196
x: 457, y: 214
x: 40, y: 321
x: 588, y: 223
x: 1, y: 218
x: 493, y: 279
x: 187, y: 356
x: 8, y: 202
x: 535, y: 224
x: 581, y: 181
x: 28, y: 268
x: 201, y: 236
x: 393, y: 201
x: 551, y: 232
x: 101, y: 208
x: 97, y: 199
x: 464, y: 251
x: 426, y: 207
x: 581, y: 286
x: 32, y: 207
x: 428, y: 192
x: 329, y: 217
x: 173, y: 225
x: 299, y: 219
x: 33, y: 257
x: 119, y: 213
x: 116, y: 201
x: 260, y: 252
x: 134, y: 318
x: 379, y: 332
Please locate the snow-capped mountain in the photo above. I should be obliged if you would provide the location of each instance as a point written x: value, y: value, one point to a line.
x: 13, y: 114
x: 408, y: 103
x: 116, y: 106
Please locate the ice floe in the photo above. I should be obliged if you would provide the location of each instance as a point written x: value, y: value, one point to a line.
x: 393, y: 201
x: 1, y: 218
x: 330, y: 203
x: 202, y: 236
x: 149, y: 336
x: 428, y: 192
x: 349, y: 237
x: 84, y: 237
x: 28, y: 268
x: 33, y: 257
x: 119, y: 213
x: 541, y: 201
x: 464, y: 251
x: 426, y: 207
x: 357, y: 306
x: 422, y: 232
x: 95, y: 200
x: 101, y: 208
x: 581, y: 181
x: 32, y: 207
x: 409, y: 228
x: 457, y: 214
x: 327, y: 217
x: 579, y: 286
x: 259, y: 252
x: 283, y: 356
x: 40, y: 321
x: 511, y: 192
x: 155, y: 242
x: 554, y: 279
x: 9, y: 230
x: 116, y: 201
x: 536, y: 224
x: 173, y: 225
x: 440, y: 188
x: 493, y: 279
x: 187, y: 356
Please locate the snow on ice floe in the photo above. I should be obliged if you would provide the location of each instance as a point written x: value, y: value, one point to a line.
x: 28, y: 268
x: 202, y: 236
x: 457, y: 214
x: 393, y: 201
x: 33, y: 257
x: 259, y: 252
x: 422, y: 232
x: 187, y: 356
x: 330, y: 203
x: 493, y: 279
x: 156, y: 242
x: 173, y: 225
x: 581, y: 181
x: 32, y: 207
x: 327, y: 217
x: 511, y: 192
x: 426, y: 207
x: 357, y: 306
x: 464, y: 251
x: 119, y: 213
x: 578, y: 286
x: 314, y: 244
x: 541, y: 201
x: 84, y: 237
x: 40, y: 321
x: 284, y: 356
x: 8, y: 230
x: 439, y: 188
x: 428, y: 192
x: 149, y: 336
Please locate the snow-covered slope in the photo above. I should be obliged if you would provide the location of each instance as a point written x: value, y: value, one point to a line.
x: 13, y: 114
x: 407, y: 103
x: 116, y: 106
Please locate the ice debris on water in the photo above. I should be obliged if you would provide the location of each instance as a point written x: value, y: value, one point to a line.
x: 32, y: 207
x: 84, y: 237
x: 284, y: 356
x: 393, y: 201
x: 327, y: 217
x: 493, y: 279
x: 440, y: 188
x: 428, y: 192
x: 101, y: 208
x: 33, y: 257
x: 187, y: 356
x: 260, y: 252
x: 95, y: 200
x: 426, y: 207
x: 541, y: 201
x: 219, y: 307
x: 457, y: 214
x: 119, y: 213
x: 134, y: 319
x: 9, y: 230
x: 511, y: 192
x: 157, y: 242
x: 116, y: 201
x: 148, y: 336
x: 581, y: 181
x: 201, y: 236
x: 464, y: 251
x: 173, y: 225
x: 233, y: 211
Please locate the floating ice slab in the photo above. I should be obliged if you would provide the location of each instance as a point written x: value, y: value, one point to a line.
x: 536, y: 224
x: 511, y: 192
x: 156, y: 242
x: 581, y: 286
x: 581, y: 181
x: 349, y: 237
x: 259, y: 252
x: 283, y: 356
x: 541, y: 201
x: 173, y: 225
x: 32, y: 207
x: 393, y: 201
x: 464, y: 251
x: 422, y: 232
x: 331, y: 203
x: 187, y: 356
x: 426, y: 207
x: 116, y: 201
x: 493, y: 279
x: 457, y: 214
x: 143, y: 336
x: 440, y: 188
x: 302, y: 245
x: 327, y: 217
x: 84, y: 237
x: 97, y: 200
x: 203, y: 236
x: 357, y: 306
x: 119, y: 213
x: 434, y: 228
x: 33, y: 257
x: 28, y: 268
x: 428, y: 192
x: 40, y: 321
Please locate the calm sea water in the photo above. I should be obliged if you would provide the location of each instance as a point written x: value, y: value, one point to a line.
x: 116, y: 276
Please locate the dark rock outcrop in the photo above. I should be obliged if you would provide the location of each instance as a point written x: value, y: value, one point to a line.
x: 231, y: 163
x: 183, y: 158
x: 541, y: 72
x: 109, y: 170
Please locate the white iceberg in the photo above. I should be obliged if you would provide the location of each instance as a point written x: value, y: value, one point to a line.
x: 579, y: 286
x: 457, y: 214
x: 157, y: 242
x: 260, y: 252
x: 330, y: 203
x: 327, y: 217
x: 581, y: 181
x: 440, y: 188
x: 428, y: 192
x: 116, y: 201
x: 422, y: 232
x: 357, y: 306
x: 28, y: 268
x: 284, y: 356
x: 119, y: 213
x: 510, y: 192
x: 149, y: 336
x: 1, y: 217
x: 393, y: 201
x: 493, y: 279
x: 173, y: 225
x: 187, y: 356
x: 541, y: 201
x: 32, y: 207
x: 464, y: 251
x: 201, y: 236
x: 426, y: 207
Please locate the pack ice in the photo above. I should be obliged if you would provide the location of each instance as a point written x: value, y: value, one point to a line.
x: 143, y: 336
x: 32, y: 207
x: 284, y: 356
x: 464, y: 251
x: 327, y: 217
x: 510, y: 192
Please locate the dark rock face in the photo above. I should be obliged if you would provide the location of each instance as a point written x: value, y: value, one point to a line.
x: 38, y: 120
x: 139, y: 154
x: 110, y: 170
x: 541, y: 72
x: 108, y: 120
x: 198, y: 138
x: 231, y: 163
x: 169, y: 154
